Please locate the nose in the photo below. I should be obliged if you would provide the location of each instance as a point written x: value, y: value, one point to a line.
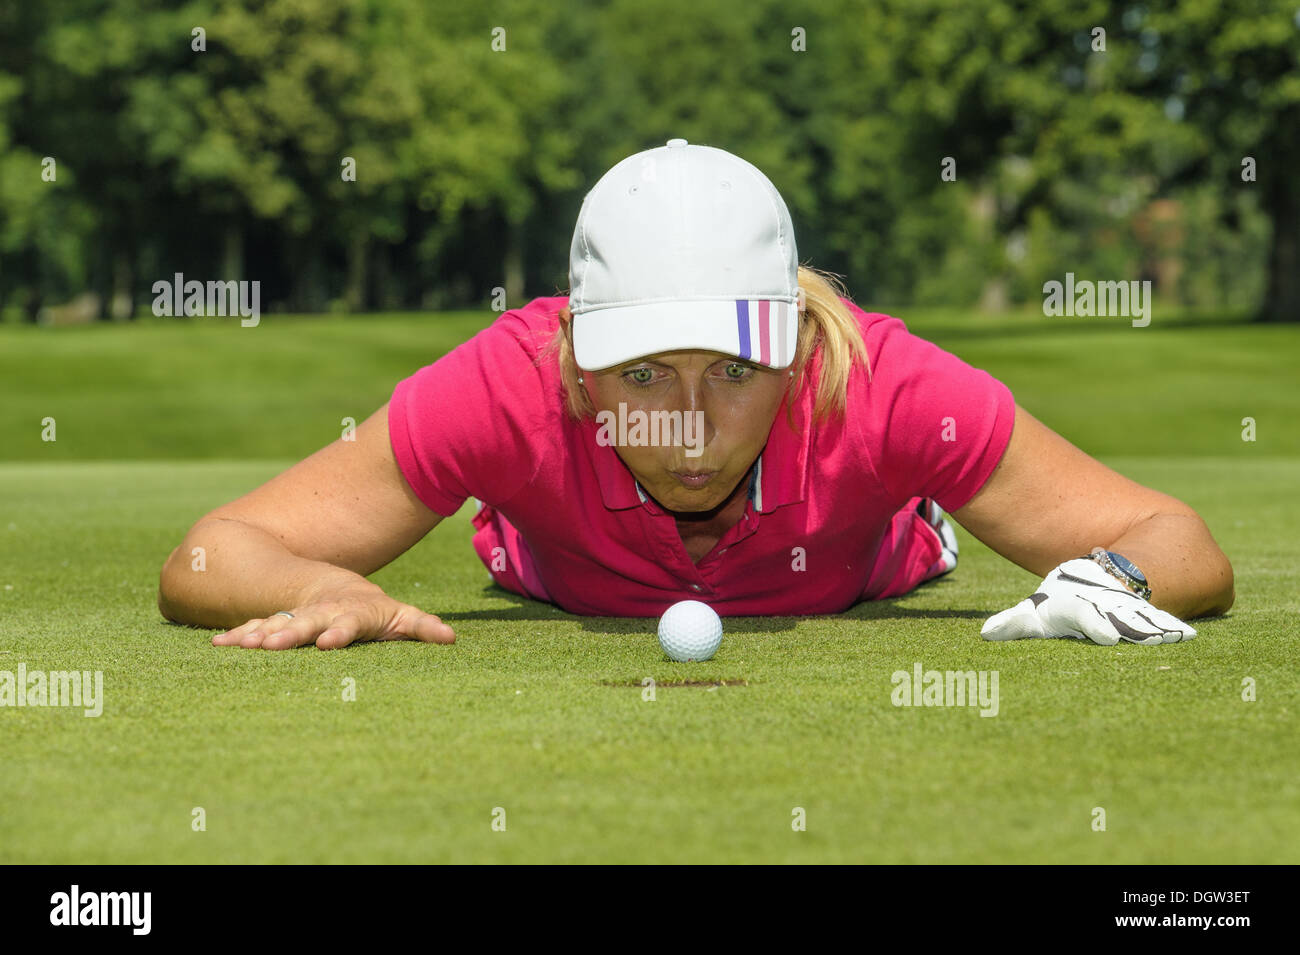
x: 693, y: 401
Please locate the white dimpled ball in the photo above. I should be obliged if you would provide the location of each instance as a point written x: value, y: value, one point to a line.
x: 690, y: 631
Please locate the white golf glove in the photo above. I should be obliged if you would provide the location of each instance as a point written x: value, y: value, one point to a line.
x: 1079, y: 599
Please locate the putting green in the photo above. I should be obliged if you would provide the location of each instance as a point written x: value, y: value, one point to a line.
x: 541, y: 714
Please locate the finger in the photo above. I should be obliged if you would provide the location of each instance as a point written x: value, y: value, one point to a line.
x: 341, y: 631
x: 252, y: 640
x: 294, y: 633
x: 1143, y: 624
x: 1131, y: 625
x: 1016, y: 623
x: 431, y: 629
x: 422, y: 626
x: 1174, y: 630
x: 232, y: 636
x: 271, y: 625
x: 1077, y: 616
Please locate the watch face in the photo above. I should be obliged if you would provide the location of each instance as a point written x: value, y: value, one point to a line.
x: 1126, y: 565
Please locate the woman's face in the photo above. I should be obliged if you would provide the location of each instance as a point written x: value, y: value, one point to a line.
x: 726, y: 407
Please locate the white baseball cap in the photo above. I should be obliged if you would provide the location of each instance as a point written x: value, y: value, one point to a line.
x: 683, y: 247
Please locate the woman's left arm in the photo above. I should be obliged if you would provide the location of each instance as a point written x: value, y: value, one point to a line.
x: 1047, y: 502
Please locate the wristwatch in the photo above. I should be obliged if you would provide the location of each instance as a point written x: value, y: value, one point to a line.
x: 1123, y: 570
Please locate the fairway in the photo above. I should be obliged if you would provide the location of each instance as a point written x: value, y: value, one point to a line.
x: 541, y: 714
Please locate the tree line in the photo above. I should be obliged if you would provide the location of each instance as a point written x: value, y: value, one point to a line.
x: 377, y: 154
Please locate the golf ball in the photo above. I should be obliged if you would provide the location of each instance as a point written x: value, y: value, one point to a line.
x: 690, y: 630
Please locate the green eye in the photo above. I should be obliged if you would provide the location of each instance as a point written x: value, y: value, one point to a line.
x: 736, y: 371
x: 640, y: 376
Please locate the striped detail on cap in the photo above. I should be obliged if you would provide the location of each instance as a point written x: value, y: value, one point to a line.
x: 761, y: 329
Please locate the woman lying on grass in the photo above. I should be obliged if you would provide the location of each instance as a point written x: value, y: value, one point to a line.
x: 701, y: 418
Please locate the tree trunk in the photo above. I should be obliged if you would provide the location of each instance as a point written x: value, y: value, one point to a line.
x: 232, y: 254
x: 513, y: 264
x: 122, y: 303
x: 354, y: 291
x: 101, y: 281
x: 307, y: 293
x: 34, y: 297
x: 1282, y: 299
x: 384, y: 297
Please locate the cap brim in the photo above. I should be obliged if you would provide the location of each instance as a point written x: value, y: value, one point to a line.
x: 764, y: 331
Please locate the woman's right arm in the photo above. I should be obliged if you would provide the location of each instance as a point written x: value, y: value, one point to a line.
x: 304, y: 542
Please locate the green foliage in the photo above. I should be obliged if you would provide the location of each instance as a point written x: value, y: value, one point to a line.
x: 471, y: 159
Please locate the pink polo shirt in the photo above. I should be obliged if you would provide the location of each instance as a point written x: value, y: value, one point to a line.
x: 831, y: 520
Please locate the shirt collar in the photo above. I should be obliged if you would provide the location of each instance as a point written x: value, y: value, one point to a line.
x: 618, y: 488
x: 782, y: 472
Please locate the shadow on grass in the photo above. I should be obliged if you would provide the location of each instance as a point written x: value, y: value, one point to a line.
x: 525, y: 609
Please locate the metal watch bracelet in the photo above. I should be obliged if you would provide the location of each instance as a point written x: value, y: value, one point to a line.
x: 1102, y: 557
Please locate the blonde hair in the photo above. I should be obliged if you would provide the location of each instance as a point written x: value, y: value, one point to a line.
x: 827, y: 328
